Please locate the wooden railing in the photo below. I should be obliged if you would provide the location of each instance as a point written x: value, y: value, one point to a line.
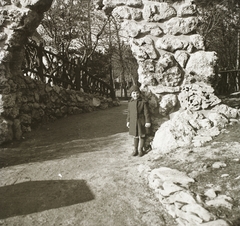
x: 228, y: 82
x: 55, y: 69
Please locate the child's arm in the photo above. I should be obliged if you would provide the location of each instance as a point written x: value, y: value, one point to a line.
x: 147, y: 115
x: 128, y: 118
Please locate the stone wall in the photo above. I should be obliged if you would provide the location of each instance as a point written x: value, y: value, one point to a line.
x: 25, y: 102
x: 176, y: 73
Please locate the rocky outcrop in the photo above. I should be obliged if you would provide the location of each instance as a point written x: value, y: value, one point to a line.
x: 172, y: 189
x: 175, y: 71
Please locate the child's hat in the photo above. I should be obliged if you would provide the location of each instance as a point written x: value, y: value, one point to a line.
x: 134, y: 88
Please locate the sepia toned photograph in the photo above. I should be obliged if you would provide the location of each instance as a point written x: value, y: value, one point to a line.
x: 119, y: 113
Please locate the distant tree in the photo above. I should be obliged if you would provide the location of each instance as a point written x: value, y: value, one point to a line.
x: 72, y: 24
x: 121, y: 63
x: 220, y: 26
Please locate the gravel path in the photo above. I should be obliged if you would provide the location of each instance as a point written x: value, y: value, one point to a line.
x: 77, y: 171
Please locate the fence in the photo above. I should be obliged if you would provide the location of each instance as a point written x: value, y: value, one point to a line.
x: 55, y: 69
x: 229, y: 82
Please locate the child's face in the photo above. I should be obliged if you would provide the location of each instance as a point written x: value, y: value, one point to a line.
x: 135, y: 95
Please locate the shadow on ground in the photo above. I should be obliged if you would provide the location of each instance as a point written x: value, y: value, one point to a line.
x: 75, y: 134
x: 16, y: 156
x: 37, y: 196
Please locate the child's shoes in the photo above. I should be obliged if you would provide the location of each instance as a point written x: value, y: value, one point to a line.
x: 140, y: 153
x: 135, y: 153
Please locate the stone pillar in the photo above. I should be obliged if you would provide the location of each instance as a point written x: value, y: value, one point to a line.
x: 175, y: 71
x: 18, y: 20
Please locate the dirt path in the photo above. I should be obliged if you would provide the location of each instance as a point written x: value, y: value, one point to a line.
x: 77, y: 171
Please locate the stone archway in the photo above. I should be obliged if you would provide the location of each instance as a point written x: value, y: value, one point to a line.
x: 176, y: 73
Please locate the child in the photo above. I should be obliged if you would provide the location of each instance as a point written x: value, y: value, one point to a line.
x: 138, y: 119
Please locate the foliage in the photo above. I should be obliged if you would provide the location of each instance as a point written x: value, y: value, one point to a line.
x: 98, y: 65
x: 72, y: 23
x: 219, y: 24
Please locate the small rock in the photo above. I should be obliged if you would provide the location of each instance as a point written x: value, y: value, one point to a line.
x: 218, y: 165
x: 172, y: 175
x: 170, y: 188
x: 191, y: 218
x: 225, y: 175
x: 219, y: 222
x: 210, y: 193
x: 221, y: 200
x: 198, y: 210
x: 183, y: 197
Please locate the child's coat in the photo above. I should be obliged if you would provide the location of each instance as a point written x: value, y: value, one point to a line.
x: 138, y: 115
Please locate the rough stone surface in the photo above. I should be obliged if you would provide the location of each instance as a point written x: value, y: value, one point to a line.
x: 174, y: 68
x: 216, y: 223
x: 171, y: 187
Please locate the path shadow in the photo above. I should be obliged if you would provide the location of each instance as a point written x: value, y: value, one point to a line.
x: 36, y: 196
x: 66, y: 136
x: 57, y: 151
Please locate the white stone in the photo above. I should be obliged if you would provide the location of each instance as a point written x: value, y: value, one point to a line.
x: 225, y: 175
x: 186, y: 9
x: 202, y: 64
x: 218, y: 222
x: 229, y: 112
x: 167, y: 103
x: 191, y: 218
x: 198, y: 210
x: 177, y: 25
x: 154, y: 181
x: 157, y: 11
x: 96, y: 102
x: 181, y: 57
x: 156, y: 31
x: 174, y: 133
x: 220, y: 121
x: 122, y: 12
x: 221, y: 200
x: 210, y: 193
x: 182, y: 222
x: 183, y: 197
x: 172, y: 175
x: 171, y: 43
x: 170, y: 188
x: 134, y: 3
x: 218, y: 165
x: 197, y: 41
x: 114, y: 2
x: 132, y: 29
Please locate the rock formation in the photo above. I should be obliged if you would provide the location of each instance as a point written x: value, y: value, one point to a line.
x: 18, y: 20
x: 176, y: 73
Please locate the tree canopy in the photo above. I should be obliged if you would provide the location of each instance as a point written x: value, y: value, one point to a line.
x: 220, y: 25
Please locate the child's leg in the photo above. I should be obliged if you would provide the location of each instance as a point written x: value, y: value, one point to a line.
x: 135, y: 151
x: 141, y: 145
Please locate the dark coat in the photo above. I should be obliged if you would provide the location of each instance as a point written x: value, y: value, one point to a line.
x: 138, y: 115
